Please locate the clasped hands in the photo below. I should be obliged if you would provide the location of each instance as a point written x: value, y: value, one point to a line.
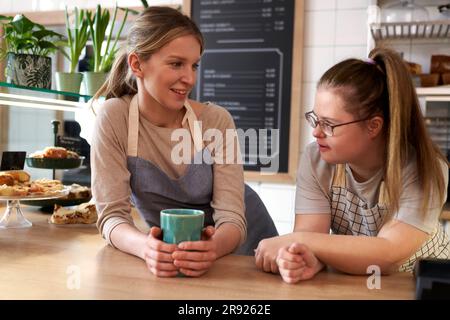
x: 294, y: 262
x: 191, y: 258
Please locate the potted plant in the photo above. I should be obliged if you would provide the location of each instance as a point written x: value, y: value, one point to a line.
x: 77, y: 36
x: 28, y: 46
x: 104, y: 53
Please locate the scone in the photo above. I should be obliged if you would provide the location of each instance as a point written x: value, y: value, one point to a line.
x: 13, y: 191
x: 55, y: 153
x: 18, y: 175
x: 17, y: 183
x: 6, y: 179
x: 78, y: 192
x: 46, y: 187
x: 72, y: 155
x: 14, y: 183
x: 85, y: 213
x: 6, y: 191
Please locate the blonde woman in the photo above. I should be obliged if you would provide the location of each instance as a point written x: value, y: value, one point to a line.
x: 146, y: 101
x: 373, y: 176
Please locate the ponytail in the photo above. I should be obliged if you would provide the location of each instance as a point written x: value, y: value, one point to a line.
x: 407, y: 132
x: 120, y: 80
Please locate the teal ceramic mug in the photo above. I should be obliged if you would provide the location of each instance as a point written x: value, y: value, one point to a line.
x: 180, y: 225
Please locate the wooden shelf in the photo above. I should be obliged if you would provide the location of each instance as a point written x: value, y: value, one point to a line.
x: 434, y: 91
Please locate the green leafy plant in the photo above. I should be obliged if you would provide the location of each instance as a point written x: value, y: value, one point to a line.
x: 104, y: 56
x: 77, y: 36
x: 22, y: 35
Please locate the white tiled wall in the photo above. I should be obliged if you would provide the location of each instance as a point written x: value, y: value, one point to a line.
x: 31, y: 130
x: 334, y: 30
x: 320, y: 5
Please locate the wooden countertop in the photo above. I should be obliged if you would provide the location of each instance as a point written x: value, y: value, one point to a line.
x: 42, y: 262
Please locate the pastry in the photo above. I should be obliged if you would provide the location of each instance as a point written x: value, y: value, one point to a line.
x: 18, y: 175
x: 72, y: 155
x: 414, y: 68
x: 45, y: 187
x: 14, y: 191
x: 55, y: 153
x: 78, y: 192
x: 6, y: 191
x: 6, y: 179
x: 17, y: 183
x: 85, y: 213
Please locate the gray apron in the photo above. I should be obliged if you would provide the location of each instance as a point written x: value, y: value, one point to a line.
x: 351, y: 216
x: 153, y: 190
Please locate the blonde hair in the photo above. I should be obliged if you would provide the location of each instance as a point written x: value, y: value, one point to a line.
x: 154, y: 28
x: 382, y: 86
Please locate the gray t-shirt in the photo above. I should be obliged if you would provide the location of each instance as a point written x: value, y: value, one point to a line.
x: 314, y: 182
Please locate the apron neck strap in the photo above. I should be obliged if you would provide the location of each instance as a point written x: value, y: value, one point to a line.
x: 133, y: 127
x: 194, y: 126
x: 339, y: 176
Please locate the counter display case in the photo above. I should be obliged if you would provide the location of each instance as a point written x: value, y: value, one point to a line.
x: 17, y: 99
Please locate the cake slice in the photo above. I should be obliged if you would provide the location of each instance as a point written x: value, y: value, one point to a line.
x: 85, y: 213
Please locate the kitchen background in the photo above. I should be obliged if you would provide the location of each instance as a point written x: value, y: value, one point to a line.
x: 333, y: 30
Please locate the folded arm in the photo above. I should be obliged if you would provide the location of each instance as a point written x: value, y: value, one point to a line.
x: 395, y: 243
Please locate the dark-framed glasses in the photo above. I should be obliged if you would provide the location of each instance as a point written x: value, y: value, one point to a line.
x: 326, y: 127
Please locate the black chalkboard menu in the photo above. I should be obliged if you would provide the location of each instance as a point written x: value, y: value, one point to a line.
x: 247, y: 68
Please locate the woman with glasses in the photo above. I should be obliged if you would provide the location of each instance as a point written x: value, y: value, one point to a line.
x: 373, y: 176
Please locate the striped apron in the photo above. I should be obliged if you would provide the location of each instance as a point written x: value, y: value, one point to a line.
x: 351, y: 216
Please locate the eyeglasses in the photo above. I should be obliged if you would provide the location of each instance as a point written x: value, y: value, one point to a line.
x: 327, y: 128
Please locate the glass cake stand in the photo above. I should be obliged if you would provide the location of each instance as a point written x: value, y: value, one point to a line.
x: 13, y: 216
